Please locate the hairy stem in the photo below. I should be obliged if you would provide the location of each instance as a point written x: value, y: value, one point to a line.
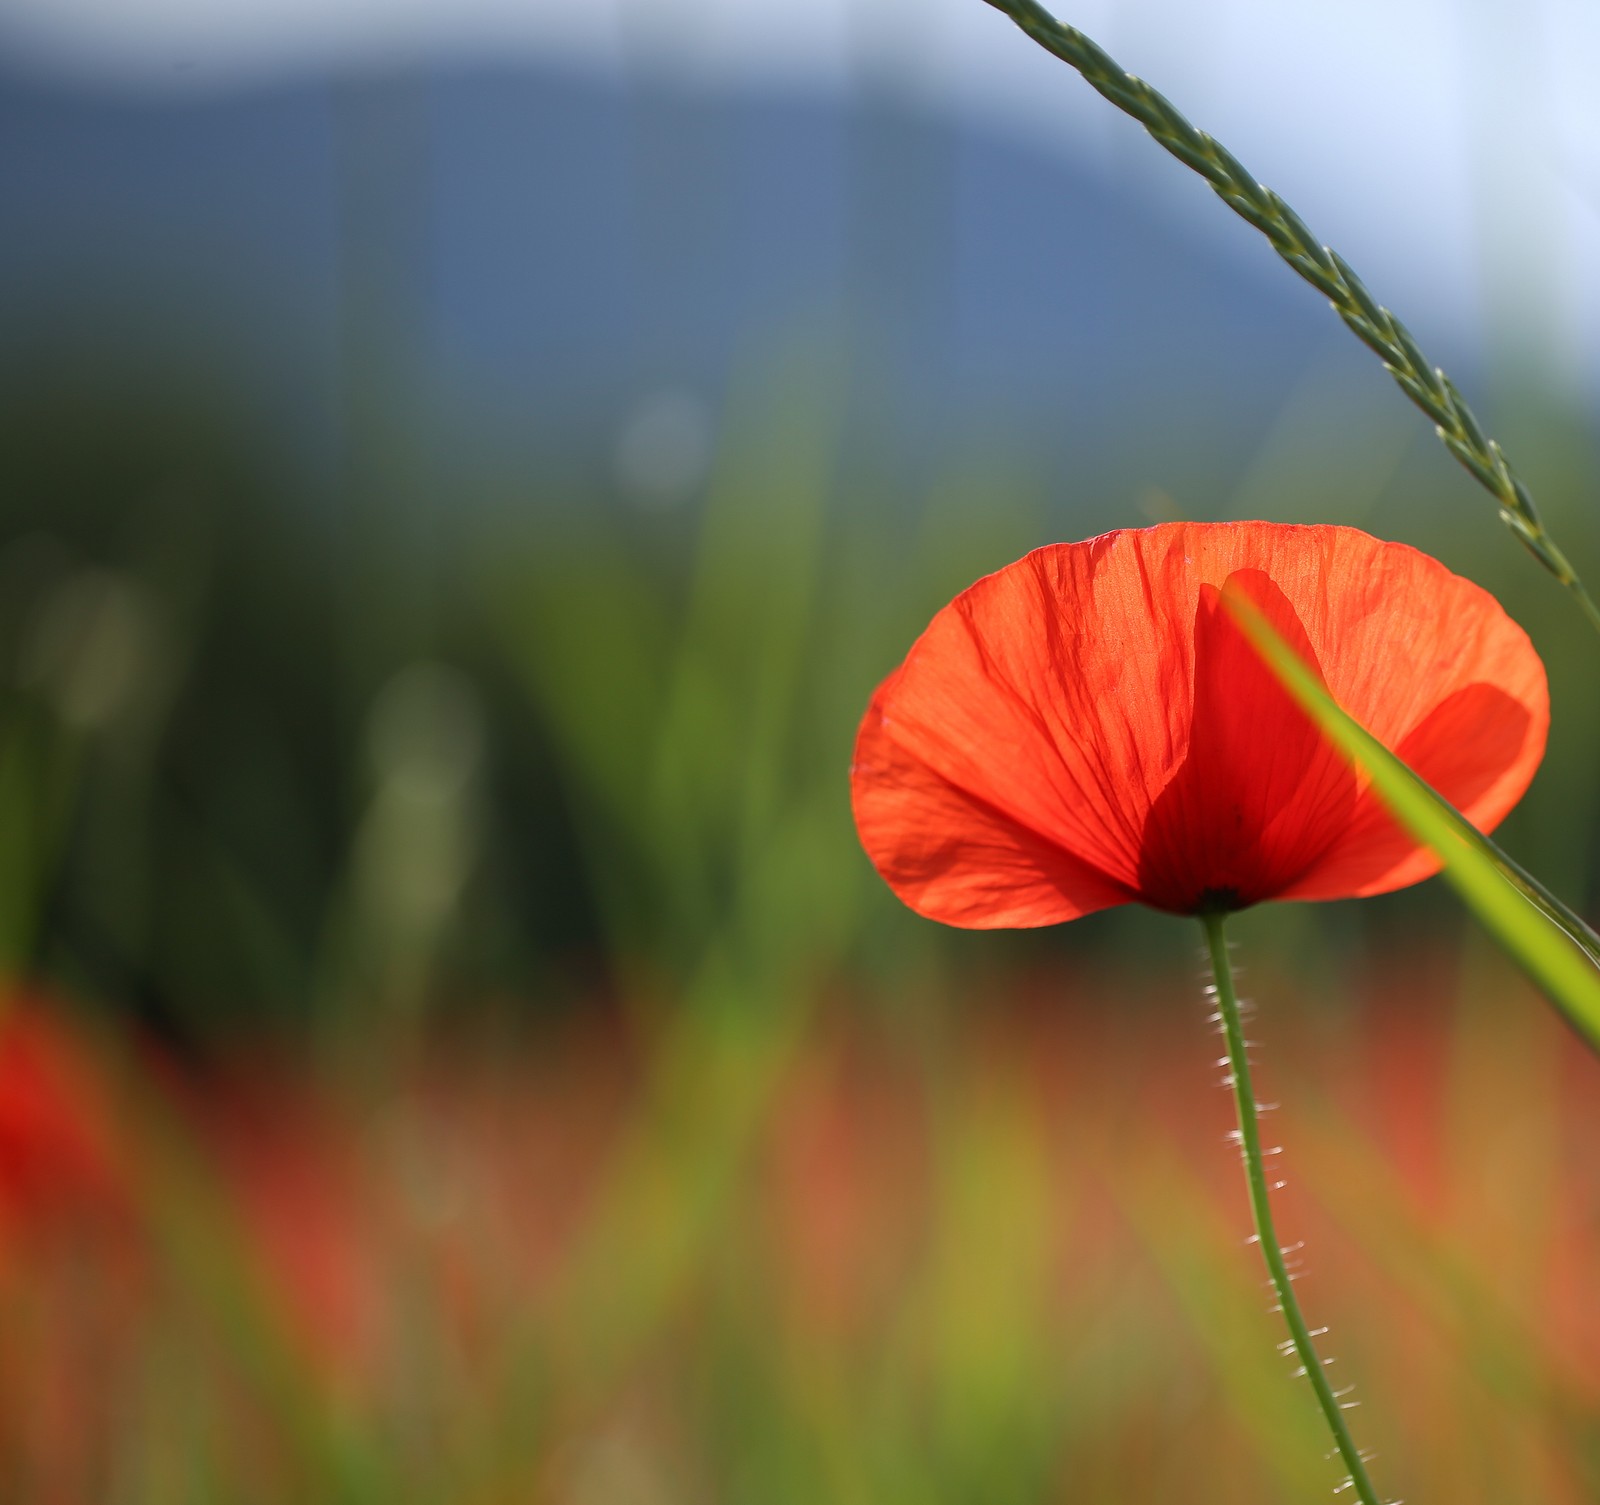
x: 1425, y: 384
x: 1244, y: 1102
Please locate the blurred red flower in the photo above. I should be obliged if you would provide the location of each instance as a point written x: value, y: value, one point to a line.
x: 1089, y: 726
x: 61, y: 1160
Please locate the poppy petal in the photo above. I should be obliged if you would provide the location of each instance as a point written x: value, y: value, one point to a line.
x: 956, y: 858
x: 1012, y: 713
x: 1478, y: 748
x: 1436, y: 671
x: 1261, y: 794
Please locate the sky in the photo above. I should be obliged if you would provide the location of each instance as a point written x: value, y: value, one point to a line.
x: 1450, y: 149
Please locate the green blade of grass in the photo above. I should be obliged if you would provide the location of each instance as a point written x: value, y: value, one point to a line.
x: 1317, y: 264
x: 1557, y: 948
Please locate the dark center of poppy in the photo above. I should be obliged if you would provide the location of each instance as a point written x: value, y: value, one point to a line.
x: 1219, y: 901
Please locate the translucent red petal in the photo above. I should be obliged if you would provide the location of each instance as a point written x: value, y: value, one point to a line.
x: 1088, y: 727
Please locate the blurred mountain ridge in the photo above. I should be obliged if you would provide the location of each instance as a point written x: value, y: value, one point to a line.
x: 516, y: 254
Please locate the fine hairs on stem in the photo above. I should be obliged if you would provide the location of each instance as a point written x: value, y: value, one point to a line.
x: 1248, y: 1137
x: 1424, y: 383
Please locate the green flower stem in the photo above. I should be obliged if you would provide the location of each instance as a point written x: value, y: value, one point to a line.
x: 1244, y: 1101
x: 1425, y: 384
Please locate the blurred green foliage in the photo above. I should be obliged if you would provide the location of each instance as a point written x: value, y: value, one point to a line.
x: 287, y: 747
x: 625, y: 1141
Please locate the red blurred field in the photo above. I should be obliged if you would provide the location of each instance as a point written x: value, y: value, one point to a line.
x: 996, y: 1252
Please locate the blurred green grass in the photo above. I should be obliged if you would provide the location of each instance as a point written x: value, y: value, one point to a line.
x: 478, y: 1063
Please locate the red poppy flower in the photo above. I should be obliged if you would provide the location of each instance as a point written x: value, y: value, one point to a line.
x: 1090, y: 727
